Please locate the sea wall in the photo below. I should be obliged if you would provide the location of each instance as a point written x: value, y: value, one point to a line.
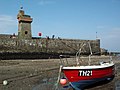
x: 66, y: 46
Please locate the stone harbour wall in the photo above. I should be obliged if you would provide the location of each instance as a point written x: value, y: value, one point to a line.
x: 66, y: 46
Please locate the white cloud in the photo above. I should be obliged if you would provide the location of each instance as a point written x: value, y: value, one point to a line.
x: 114, y: 33
x: 111, y: 39
x: 6, y: 18
x: 7, y: 23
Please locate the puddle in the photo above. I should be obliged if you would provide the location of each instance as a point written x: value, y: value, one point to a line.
x: 49, y: 84
x: 117, y: 85
x: 46, y: 84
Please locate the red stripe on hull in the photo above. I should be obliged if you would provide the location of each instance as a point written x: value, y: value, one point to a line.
x: 74, y: 75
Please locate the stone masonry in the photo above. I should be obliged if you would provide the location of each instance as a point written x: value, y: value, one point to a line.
x: 24, y: 25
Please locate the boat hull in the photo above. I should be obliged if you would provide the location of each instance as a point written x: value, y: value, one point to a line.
x: 81, y: 77
x: 82, y: 84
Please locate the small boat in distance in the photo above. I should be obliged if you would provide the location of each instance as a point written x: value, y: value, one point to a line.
x: 82, y: 76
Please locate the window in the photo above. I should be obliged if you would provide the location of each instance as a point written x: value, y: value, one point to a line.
x: 26, y: 32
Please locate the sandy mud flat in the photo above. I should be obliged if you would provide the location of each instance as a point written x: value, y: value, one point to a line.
x: 41, y: 74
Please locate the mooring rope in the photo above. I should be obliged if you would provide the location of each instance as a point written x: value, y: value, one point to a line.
x: 58, y: 77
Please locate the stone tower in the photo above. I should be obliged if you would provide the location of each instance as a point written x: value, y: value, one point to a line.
x: 24, y: 25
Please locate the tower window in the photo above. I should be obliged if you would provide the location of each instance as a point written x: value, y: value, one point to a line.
x: 26, y: 32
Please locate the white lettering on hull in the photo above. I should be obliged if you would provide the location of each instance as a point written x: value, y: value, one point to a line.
x: 85, y: 72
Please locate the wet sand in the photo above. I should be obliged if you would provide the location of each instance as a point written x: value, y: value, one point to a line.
x: 41, y: 74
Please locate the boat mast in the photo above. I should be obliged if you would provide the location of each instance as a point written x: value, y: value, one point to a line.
x: 90, y: 54
x: 78, y: 54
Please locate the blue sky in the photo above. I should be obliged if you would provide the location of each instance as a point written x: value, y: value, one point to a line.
x: 74, y: 19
